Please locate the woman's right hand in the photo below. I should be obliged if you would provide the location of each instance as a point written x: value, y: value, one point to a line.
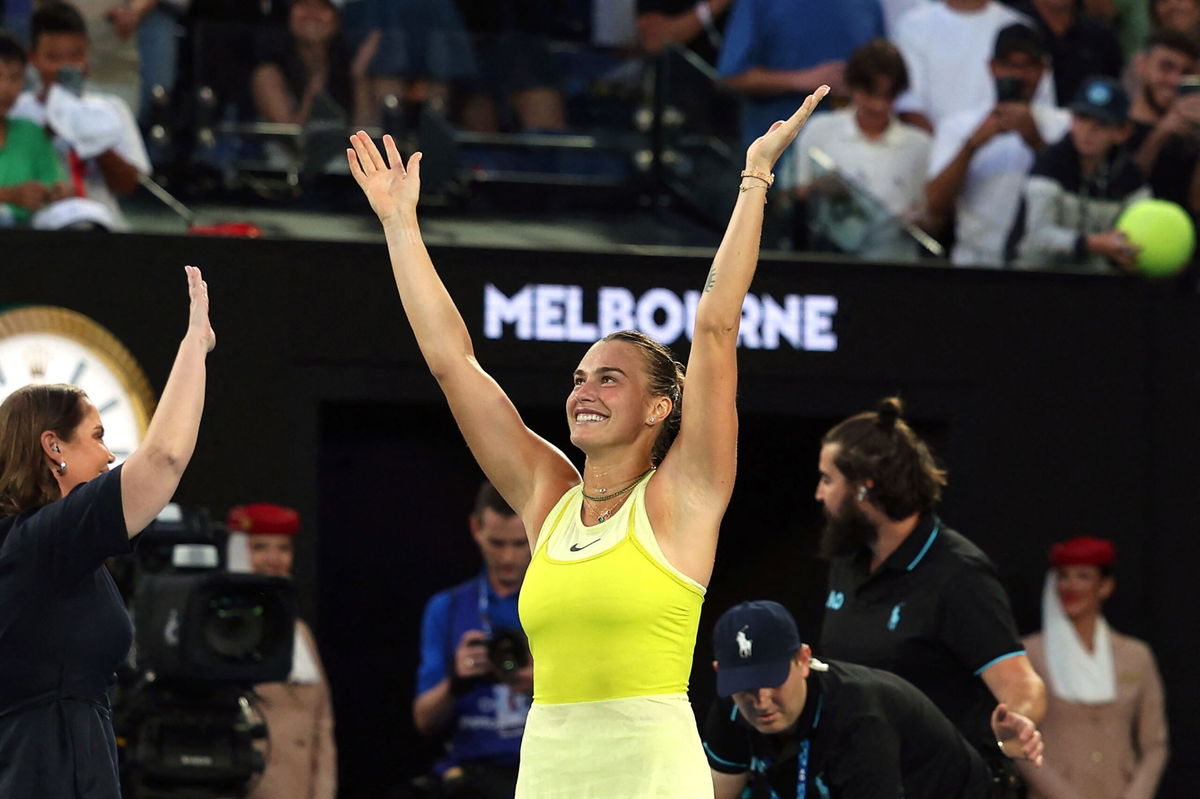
x: 390, y: 188
x: 198, y: 324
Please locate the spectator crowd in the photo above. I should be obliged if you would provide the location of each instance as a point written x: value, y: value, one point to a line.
x: 1013, y: 131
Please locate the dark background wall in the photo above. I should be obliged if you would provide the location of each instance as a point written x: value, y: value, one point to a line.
x: 1062, y: 405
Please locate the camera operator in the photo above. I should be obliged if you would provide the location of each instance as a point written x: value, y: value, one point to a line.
x: 302, y: 761
x: 475, y: 680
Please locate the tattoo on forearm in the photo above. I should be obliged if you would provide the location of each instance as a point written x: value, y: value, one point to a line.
x: 711, y: 280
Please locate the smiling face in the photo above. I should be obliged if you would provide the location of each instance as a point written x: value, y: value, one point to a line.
x: 609, y: 404
x: 775, y: 710
x: 1159, y: 71
x: 271, y: 554
x: 1083, y: 590
x: 84, y: 452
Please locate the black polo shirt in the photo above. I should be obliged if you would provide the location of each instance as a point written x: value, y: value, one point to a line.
x: 934, y: 613
x: 869, y: 735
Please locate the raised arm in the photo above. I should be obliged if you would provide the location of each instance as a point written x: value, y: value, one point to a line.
x: 697, y: 474
x: 528, y: 471
x: 151, y: 474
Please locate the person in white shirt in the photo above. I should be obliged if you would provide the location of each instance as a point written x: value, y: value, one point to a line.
x: 871, y: 149
x: 981, y: 156
x: 945, y: 45
x: 893, y: 10
x: 102, y: 149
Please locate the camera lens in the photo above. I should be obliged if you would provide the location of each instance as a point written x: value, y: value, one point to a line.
x: 235, y: 625
x: 508, y: 651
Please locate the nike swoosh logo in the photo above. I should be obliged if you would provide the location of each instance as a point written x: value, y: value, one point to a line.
x: 576, y: 547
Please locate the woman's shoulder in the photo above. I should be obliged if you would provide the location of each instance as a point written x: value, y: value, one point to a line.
x: 1130, y: 648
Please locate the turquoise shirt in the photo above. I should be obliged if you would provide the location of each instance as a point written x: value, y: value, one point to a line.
x: 27, y: 154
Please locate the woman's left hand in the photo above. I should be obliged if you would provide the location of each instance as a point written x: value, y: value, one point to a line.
x: 198, y: 324
x: 766, y: 149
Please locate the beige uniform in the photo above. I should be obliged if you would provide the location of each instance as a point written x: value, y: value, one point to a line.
x: 1111, y: 751
x: 302, y: 761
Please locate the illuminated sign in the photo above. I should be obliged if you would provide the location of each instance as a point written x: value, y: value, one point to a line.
x: 552, y: 312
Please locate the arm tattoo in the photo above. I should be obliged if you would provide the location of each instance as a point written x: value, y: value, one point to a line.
x: 711, y: 280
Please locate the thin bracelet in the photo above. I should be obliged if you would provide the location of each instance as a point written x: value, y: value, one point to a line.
x: 742, y: 189
x: 765, y: 177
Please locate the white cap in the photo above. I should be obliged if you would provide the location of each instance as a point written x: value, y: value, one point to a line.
x: 73, y: 211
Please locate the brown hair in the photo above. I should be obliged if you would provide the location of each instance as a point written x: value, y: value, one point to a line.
x: 877, y: 59
x: 25, y: 479
x: 1182, y: 43
x: 666, y: 377
x: 880, y: 446
x: 488, y: 498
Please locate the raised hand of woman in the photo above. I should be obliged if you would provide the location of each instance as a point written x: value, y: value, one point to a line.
x: 198, y: 322
x: 390, y: 187
x: 766, y: 149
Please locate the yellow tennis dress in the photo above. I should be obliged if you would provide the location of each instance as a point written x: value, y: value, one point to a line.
x: 612, y: 628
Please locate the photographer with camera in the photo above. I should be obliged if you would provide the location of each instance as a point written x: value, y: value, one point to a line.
x: 475, y: 681
x: 64, y: 629
x: 302, y: 763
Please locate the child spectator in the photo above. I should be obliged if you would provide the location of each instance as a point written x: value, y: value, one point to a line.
x: 94, y: 132
x: 873, y: 149
x: 1079, y: 186
x: 30, y: 173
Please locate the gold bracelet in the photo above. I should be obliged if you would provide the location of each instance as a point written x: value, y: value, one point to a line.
x: 765, y: 177
x: 747, y: 188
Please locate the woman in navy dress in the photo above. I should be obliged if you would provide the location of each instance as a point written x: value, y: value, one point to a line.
x: 63, y: 627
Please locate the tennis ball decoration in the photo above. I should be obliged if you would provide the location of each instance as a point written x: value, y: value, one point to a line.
x: 1163, y: 233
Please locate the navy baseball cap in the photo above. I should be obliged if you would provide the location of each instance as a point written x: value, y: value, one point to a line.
x: 1102, y: 99
x: 754, y: 643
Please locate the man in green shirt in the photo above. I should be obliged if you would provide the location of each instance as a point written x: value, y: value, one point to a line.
x: 31, y: 173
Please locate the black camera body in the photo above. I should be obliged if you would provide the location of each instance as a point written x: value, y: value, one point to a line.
x: 204, y: 637
x: 216, y: 627
x: 508, y: 652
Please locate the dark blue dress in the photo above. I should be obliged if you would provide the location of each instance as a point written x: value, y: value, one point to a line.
x: 63, y: 631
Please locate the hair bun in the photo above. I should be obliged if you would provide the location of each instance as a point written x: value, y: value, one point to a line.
x: 889, y: 411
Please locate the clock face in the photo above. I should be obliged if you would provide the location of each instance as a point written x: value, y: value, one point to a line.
x: 54, y: 345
